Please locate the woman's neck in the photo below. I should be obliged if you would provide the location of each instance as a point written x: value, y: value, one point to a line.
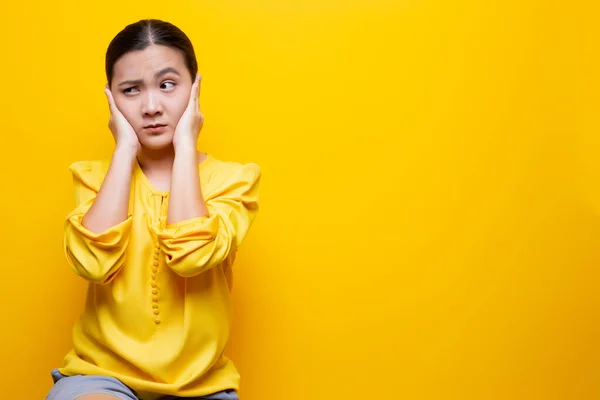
x: 157, y: 165
x: 158, y: 161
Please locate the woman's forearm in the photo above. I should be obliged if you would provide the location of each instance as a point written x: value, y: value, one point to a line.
x: 111, y: 205
x: 186, y: 200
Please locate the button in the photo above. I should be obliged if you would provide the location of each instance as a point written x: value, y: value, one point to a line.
x: 155, y: 311
x: 156, y: 250
x: 154, y: 270
x: 154, y: 305
x: 153, y: 276
x: 153, y: 284
x: 155, y: 298
x: 155, y: 263
x: 157, y: 321
x: 154, y: 291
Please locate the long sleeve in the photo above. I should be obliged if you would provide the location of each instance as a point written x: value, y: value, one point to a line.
x: 96, y: 257
x: 198, y: 244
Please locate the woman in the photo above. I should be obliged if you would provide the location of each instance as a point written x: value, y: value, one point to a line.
x: 155, y: 232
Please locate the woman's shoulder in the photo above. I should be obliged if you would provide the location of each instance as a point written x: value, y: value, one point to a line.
x: 89, y: 172
x: 96, y: 166
x: 223, y: 170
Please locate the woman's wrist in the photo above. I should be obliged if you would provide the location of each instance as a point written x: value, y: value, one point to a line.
x: 126, y: 153
x: 185, y: 149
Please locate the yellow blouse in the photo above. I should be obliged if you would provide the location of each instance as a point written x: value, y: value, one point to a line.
x: 157, y: 314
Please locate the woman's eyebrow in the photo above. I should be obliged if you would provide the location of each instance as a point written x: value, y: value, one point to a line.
x: 160, y: 73
x: 165, y: 71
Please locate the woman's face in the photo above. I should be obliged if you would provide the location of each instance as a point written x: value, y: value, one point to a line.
x: 151, y: 88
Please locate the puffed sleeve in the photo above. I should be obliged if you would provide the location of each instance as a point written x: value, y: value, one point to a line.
x: 96, y: 257
x: 198, y: 244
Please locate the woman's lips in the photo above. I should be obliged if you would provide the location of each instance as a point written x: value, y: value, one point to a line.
x: 154, y: 129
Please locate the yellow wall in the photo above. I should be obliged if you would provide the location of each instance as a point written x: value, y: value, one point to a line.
x: 431, y: 210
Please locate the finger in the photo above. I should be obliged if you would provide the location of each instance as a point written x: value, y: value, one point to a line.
x: 192, y: 102
x: 197, y: 96
x: 198, y: 90
x: 111, y: 101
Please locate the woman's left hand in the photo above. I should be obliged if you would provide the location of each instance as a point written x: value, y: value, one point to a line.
x: 191, y: 121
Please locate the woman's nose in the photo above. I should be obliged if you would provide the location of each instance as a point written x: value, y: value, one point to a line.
x: 152, y: 104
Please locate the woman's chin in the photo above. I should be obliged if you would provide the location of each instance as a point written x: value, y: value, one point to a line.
x: 157, y: 143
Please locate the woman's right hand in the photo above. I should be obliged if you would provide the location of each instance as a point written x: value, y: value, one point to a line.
x: 123, y: 132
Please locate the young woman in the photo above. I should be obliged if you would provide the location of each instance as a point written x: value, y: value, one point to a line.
x: 155, y: 232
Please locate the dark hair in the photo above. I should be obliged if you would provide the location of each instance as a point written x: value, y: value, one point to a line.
x: 146, y: 32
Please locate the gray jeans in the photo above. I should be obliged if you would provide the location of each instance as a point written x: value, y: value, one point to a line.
x: 72, y: 387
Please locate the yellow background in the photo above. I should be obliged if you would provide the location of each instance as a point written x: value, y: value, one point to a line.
x: 430, y: 221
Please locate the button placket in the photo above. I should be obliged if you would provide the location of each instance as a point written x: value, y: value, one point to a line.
x: 161, y: 202
x: 155, y: 264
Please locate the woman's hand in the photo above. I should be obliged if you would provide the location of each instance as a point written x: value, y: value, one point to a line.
x: 124, y: 134
x: 191, y: 121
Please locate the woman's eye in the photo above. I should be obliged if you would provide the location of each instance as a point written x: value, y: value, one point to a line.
x: 130, y: 90
x: 167, y: 85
